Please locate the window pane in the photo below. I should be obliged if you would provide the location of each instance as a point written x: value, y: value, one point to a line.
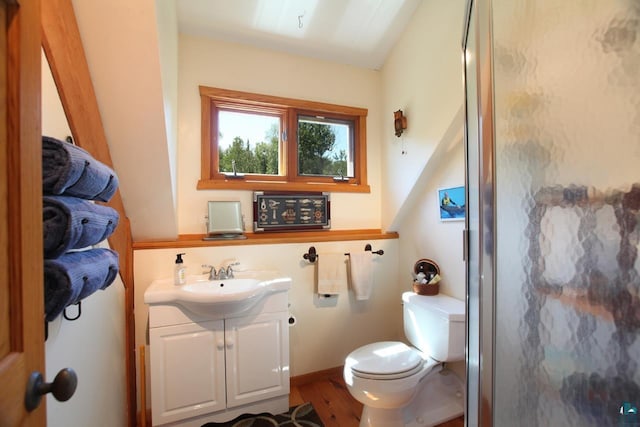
x: 325, y: 146
x: 248, y: 141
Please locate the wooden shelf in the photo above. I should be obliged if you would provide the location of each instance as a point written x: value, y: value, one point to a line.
x: 196, y: 240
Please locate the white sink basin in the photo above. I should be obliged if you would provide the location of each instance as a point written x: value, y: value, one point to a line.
x: 223, y: 297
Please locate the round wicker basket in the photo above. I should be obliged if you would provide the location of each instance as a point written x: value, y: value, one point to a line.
x: 428, y: 267
x: 426, y: 289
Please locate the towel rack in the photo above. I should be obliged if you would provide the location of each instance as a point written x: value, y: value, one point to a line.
x: 368, y: 248
x: 378, y: 252
x: 312, y: 255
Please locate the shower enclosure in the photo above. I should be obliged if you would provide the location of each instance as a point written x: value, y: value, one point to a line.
x: 553, y: 192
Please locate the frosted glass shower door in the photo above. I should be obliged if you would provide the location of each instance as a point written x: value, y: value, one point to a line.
x: 564, y: 226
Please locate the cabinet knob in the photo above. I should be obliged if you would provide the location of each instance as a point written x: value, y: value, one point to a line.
x: 220, y: 345
x: 229, y: 344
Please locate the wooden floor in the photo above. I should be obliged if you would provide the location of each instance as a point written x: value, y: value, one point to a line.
x: 328, y: 393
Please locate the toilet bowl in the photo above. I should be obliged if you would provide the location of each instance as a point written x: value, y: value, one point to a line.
x: 401, y: 385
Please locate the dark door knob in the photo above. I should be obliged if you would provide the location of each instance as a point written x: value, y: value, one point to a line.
x: 62, y: 387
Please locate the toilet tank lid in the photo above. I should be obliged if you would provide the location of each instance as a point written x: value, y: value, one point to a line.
x: 448, y: 307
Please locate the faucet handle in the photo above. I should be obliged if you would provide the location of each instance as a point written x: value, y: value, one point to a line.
x: 211, y: 270
x: 230, y: 269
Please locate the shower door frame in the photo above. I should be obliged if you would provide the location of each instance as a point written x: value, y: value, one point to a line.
x: 480, y: 243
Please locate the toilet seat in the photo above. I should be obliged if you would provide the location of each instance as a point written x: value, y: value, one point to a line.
x: 387, y: 360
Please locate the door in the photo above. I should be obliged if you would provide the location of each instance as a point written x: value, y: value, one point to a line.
x: 187, y: 370
x: 557, y: 289
x: 257, y: 358
x: 21, y: 274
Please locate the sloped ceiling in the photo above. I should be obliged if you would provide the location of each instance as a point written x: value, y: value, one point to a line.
x: 120, y: 40
x: 355, y: 32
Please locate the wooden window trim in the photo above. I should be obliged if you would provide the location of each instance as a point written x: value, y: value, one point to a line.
x: 210, y: 179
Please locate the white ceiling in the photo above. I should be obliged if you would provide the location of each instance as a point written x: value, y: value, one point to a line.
x: 355, y: 32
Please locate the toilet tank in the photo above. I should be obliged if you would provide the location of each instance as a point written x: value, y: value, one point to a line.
x: 435, y: 325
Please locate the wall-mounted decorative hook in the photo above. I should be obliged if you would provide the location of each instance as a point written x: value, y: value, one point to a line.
x: 311, y: 255
x: 399, y: 122
x: 77, y: 316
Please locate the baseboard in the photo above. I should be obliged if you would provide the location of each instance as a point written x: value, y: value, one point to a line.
x: 315, y: 376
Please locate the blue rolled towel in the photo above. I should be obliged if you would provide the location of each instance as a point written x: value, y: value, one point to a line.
x: 76, y: 275
x: 72, y: 223
x: 69, y: 170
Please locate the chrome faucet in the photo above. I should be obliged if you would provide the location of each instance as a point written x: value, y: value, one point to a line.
x: 222, y: 273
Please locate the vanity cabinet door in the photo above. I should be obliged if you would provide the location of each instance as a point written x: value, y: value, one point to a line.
x: 257, y: 358
x: 187, y: 370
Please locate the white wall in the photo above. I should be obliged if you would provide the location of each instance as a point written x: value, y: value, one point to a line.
x: 423, y: 77
x: 425, y: 236
x: 168, y: 52
x: 233, y: 66
x: 431, y: 94
x: 92, y: 345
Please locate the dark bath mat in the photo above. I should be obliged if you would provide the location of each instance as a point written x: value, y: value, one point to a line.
x: 301, y: 415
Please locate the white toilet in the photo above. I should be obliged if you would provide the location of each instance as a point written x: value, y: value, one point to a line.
x: 407, y: 386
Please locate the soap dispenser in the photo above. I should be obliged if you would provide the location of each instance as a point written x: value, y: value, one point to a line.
x: 179, y: 276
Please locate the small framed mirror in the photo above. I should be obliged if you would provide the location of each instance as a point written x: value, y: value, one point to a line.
x: 224, y: 220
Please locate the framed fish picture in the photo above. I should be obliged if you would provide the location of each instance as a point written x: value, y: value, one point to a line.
x: 451, y: 202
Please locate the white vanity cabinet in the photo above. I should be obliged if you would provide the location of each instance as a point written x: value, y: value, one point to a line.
x: 208, y: 369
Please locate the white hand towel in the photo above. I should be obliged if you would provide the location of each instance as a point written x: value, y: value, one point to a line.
x: 331, y: 273
x: 361, y: 269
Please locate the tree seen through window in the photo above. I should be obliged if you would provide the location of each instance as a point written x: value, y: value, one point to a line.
x: 319, y: 151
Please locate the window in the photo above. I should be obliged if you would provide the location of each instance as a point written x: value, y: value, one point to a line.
x: 261, y: 142
x: 325, y: 146
x: 248, y: 142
